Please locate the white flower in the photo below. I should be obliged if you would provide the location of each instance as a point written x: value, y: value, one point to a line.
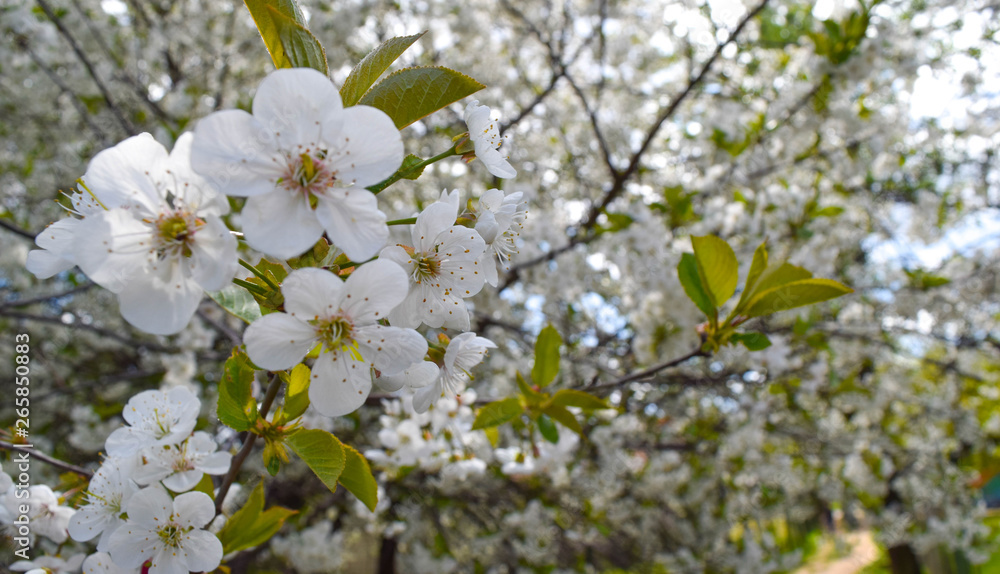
x: 49, y: 565
x: 101, y: 563
x: 107, y: 495
x: 58, y: 240
x: 499, y: 221
x: 342, y: 316
x: 168, y: 533
x: 160, y: 242
x: 47, y: 517
x: 463, y: 353
x: 443, y: 266
x: 181, y: 467
x: 486, y: 138
x: 154, y: 418
x: 303, y: 160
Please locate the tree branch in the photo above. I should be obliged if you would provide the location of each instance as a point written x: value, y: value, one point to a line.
x: 47, y: 459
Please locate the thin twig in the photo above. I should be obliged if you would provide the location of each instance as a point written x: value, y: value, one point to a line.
x: 44, y: 298
x: 646, y: 373
x: 241, y: 456
x: 47, y: 459
x: 125, y: 124
x: 15, y: 229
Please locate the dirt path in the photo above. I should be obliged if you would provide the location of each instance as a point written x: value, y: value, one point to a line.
x: 863, y: 551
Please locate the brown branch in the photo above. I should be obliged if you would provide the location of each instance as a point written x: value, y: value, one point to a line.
x: 44, y: 298
x: 15, y: 229
x: 47, y: 459
x: 241, y: 456
x: 125, y: 124
x: 647, y: 373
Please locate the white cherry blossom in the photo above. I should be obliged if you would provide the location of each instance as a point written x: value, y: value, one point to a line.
x: 486, y: 138
x: 49, y: 565
x: 160, y: 241
x: 168, y: 533
x: 58, y: 240
x: 443, y: 266
x: 303, y: 160
x: 107, y: 496
x: 463, y: 353
x: 499, y: 220
x: 180, y: 467
x: 343, y: 317
x: 101, y: 563
x: 47, y: 516
x: 154, y: 418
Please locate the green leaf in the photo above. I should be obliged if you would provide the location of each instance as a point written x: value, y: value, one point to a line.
x: 753, y: 341
x: 269, y: 30
x: 580, y: 399
x: 548, y: 429
x: 829, y: 211
x: 410, y: 94
x: 205, y: 485
x: 250, y: 527
x: 718, y: 266
x: 323, y: 452
x: 775, y: 276
x: 795, y: 294
x: 237, y: 301
x: 368, y: 70
x: 236, y: 407
x: 546, y: 365
x: 493, y: 434
x: 297, y: 395
x: 357, y: 478
x: 687, y: 272
x: 757, y: 267
x: 564, y: 417
x: 301, y: 48
x: 496, y: 413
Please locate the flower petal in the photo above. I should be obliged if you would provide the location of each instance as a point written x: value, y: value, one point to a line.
x: 278, y: 341
x: 213, y: 259
x: 352, y: 219
x: 111, y: 247
x: 236, y: 154
x: 391, y: 349
x: 373, y: 290
x: 162, y: 301
x: 311, y: 293
x: 194, y: 509
x: 120, y: 176
x: 150, y: 507
x: 425, y: 397
x: 301, y: 106
x: 203, y: 551
x: 340, y: 384
x: 280, y: 223
x: 437, y: 218
x: 368, y: 148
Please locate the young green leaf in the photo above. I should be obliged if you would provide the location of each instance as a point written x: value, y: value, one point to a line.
x: 301, y: 48
x: 237, y: 301
x: 249, y: 526
x: 269, y: 30
x: 757, y: 267
x: 564, y: 417
x: 297, y: 395
x: 368, y: 70
x: 753, y: 341
x: 687, y: 272
x: 357, y: 478
x: 409, y: 162
x: 496, y: 413
x: 322, y: 452
x: 718, y: 267
x: 546, y: 365
x: 236, y: 406
x: 548, y: 429
x: 580, y: 399
x: 794, y: 294
x: 410, y: 94
x: 775, y: 276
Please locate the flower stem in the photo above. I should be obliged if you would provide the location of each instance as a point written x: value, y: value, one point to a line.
x: 406, y: 221
x: 415, y: 168
x: 258, y: 273
x: 234, y: 467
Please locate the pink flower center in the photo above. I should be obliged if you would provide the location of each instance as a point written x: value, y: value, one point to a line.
x: 308, y: 174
